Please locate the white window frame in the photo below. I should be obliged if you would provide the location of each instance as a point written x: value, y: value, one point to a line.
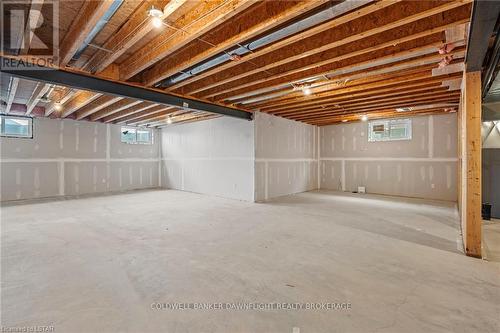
x: 30, y: 127
x: 136, y: 142
x: 387, y: 124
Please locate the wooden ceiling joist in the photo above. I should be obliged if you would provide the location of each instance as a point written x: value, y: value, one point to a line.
x: 319, y: 118
x: 379, y: 105
x: 135, y: 29
x: 343, y: 71
x: 13, y: 84
x: 325, y: 41
x: 367, y: 101
x: 40, y: 90
x: 369, y: 57
x: 114, y: 108
x: 89, y: 15
x: 131, y: 118
x: 96, y: 105
x: 379, y: 86
x: 78, y: 101
x: 132, y: 110
x: 212, y: 14
x: 287, y: 41
x: 254, y: 21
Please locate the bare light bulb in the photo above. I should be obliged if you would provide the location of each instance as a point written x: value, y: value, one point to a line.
x: 169, y: 120
x: 307, y: 91
x: 58, y: 106
x: 157, y: 22
x: 364, y: 117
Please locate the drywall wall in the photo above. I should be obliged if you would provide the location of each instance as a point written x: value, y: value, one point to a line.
x: 423, y: 167
x: 491, y: 165
x: 491, y: 179
x: 212, y: 157
x: 286, y: 156
x: 67, y: 157
x: 490, y: 134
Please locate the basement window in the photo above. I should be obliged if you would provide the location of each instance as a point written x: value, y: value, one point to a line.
x: 132, y: 135
x: 389, y: 130
x: 16, y: 126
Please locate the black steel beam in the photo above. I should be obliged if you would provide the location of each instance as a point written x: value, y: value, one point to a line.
x: 82, y: 81
x: 484, y: 17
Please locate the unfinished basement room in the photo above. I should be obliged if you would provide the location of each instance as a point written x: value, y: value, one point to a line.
x: 250, y: 166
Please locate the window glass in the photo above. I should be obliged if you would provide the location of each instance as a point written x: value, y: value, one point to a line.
x: 136, y: 135
x: 143, y: 136
x: 13, y: 126
x: 128, y: 135
x: 389, y: 130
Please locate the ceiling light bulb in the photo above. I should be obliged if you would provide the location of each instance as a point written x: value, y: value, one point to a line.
x: 58, y: 106
x: 157, y: 22
x: 155, y: 12
x: 307, y: 91
x: 364, y: 117
x: 169, y: 120
x: 344, y: 120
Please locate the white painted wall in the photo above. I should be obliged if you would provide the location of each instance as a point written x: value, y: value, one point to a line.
x: 286, y: 157
x: 423, y: 167
x: 213, y: 157
x: 67, y: 157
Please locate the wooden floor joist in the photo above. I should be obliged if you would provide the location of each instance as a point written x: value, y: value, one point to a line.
x: 367, y: 55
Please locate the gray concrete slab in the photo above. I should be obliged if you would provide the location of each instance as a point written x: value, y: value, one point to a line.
x: 98, y: 264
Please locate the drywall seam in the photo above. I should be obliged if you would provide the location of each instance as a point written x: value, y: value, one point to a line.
x: 430, y: 140
x: 285, y: 160
x: 22, y: 160
x: 208, y: 159
x: 266, y: 179
x: 343, y: 176
x: 160, y: 160
x: 318, y: 156
x: 61, y: 177
x: 401, y: 159
x: 108, y: 142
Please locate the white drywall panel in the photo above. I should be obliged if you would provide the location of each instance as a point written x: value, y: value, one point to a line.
x: 130, y: 175
x: 430, y: 180
x: 286, y: 157
x: 490, y: 133
x: 444, y: 129
x: 331, y: 175
x: 212, y: 157
x: 26, y: 180
x: 351, y: 140
x: 280, y: 138
x: 45, y: 142
x: 119, y: 149
x: 84, y: 178
x: 81, y: 139
x: 66, y: 157
x: 423, y: 167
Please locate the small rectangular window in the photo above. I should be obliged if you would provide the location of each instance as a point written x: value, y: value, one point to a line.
x: 16, y: 126
x: 389, y: 130
x: 133, y: 135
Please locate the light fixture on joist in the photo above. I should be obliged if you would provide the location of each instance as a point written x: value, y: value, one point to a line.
x: 156, y: 15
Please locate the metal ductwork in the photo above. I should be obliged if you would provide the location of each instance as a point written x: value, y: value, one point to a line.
x: 240, y: 50
x: 98, y: 27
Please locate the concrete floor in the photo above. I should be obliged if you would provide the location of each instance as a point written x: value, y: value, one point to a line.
x: 97, y: 265
x: 491, y: 240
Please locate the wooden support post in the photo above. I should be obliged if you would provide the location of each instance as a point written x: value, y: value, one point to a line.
x: 471, y: 163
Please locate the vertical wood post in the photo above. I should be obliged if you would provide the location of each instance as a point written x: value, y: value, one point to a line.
x: 471, y: 163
